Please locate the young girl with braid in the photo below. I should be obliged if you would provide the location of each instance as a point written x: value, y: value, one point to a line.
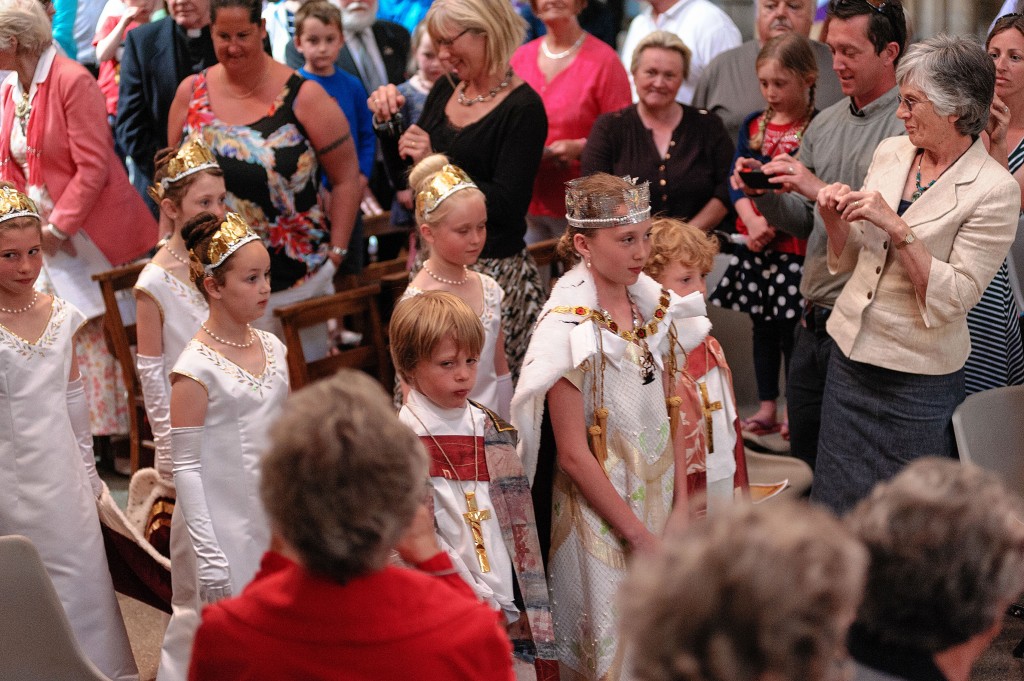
x: 763, y: 278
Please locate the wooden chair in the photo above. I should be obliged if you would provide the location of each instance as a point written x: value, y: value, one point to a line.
x: 356, y: 309
x: 36, y: 640
x: 121, y: 338
x: 377, y: 271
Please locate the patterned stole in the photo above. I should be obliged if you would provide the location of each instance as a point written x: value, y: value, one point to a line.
x: 697, y: 368
x: 513, y: 505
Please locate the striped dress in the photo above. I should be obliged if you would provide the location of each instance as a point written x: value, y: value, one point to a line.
x: 997, y: 355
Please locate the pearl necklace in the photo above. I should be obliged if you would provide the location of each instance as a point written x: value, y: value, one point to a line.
x: 31, y: 304
x: 211, y: 334
x: 167, y: 247
x: 450, y: 282
x: 561, y: 55
x: 483, y: 98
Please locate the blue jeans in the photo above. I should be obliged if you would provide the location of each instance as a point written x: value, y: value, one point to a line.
x: 875, y: 421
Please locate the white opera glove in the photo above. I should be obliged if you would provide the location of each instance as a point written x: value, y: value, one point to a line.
x: 505, y: 390
x: 152, y: 376
x: 78, y: 411
x: 212, y: 565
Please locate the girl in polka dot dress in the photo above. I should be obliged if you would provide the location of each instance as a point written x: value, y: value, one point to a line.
x: 763, y: 277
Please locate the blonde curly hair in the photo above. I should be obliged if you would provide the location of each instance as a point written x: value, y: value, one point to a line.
x: 676, y: 241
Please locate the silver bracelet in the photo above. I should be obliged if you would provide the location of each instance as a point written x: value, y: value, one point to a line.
x: 52, y: 229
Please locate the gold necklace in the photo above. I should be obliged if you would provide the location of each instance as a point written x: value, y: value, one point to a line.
x: 473, y: 516
x: 247, y: 95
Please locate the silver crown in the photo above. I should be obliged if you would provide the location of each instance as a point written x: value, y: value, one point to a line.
x: 586, y: 210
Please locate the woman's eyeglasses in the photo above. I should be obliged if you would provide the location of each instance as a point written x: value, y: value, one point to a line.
x: 910, y: 103
x: 448, y: 42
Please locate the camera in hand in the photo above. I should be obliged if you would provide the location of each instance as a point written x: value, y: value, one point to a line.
x: 388, y: 132
x: 756, y: 179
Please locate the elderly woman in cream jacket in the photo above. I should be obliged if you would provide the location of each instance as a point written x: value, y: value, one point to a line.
x: 923, y: 239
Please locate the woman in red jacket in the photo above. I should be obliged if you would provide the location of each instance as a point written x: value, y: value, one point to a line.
x: 56, y: 146
x: 344, y: 492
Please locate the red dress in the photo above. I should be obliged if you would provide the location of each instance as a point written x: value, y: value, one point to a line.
x: 394, y: 624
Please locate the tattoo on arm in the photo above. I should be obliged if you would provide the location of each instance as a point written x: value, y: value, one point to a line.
x: 335, y: 144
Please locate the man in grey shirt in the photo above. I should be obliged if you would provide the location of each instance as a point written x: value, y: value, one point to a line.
x: 729, y: 86
x: 866, y: 43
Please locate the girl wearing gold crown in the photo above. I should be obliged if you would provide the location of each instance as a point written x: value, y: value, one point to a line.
x: 595, y: 362
x: 48, y: 480
x: 169, y: 308
x: 452, y: 214
x: 227, y: 386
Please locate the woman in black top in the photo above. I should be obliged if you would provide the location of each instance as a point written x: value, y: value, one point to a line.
x: 491, y: 124
x: 685, y: 153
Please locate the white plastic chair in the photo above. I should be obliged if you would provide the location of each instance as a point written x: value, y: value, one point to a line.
x: 36, y: 641
x: 989, y: 429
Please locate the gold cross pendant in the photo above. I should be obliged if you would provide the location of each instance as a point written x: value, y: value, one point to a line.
x: 708, y: 408
x: 473, y: 518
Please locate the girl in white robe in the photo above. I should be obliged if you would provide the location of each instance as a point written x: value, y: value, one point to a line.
x: 595, y: 362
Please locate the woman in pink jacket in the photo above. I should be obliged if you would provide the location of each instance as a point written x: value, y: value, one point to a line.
x: 56, y: 146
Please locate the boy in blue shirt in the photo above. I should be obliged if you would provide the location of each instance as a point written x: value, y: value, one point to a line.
x: 318, y: 37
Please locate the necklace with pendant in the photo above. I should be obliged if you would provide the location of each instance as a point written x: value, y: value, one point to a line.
x: 918, y: 189
x: 473, y: 515
x: 647, y: 359
x: 22, y: 110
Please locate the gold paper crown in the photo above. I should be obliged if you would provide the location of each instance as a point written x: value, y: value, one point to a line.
x: 445, y: 182
x: 192, y: 157
x: 586, y: 210
x: 232, y: 234
x: 14, y: 204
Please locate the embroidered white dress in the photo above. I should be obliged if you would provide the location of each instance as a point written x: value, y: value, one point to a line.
x: 44, y: 492
x: 240, y: 410
x: 586, y: 561
x: 182, y: 309
x: 486, y: 390
x: 453, y: 533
